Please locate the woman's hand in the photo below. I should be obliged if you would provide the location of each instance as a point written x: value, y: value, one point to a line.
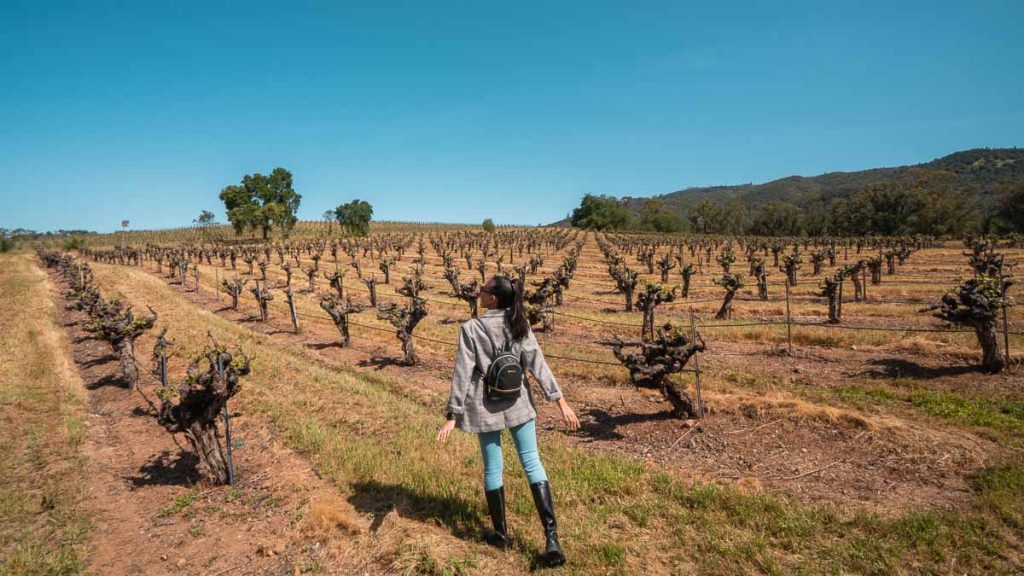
x: 568, y: 416
x: 442, y: 434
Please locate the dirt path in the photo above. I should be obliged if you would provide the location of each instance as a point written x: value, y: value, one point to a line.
x: 151, y: 515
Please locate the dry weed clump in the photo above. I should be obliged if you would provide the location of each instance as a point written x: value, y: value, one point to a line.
x: 776, y: 405
x: 329, y: 515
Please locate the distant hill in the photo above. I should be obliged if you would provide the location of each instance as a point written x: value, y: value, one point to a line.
x: 978, y: 171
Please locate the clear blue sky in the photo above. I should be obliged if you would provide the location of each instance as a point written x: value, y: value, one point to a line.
x: 457, y: 111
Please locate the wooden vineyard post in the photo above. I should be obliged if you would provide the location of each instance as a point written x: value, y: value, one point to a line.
x: 842, y: 280
x: 291, y: 308
x: 789, y: 322
x: 163, y: 360
x: 864, y: 275
x: 216, y: 285
x: 1006, y: 331
x: 227, y: 428
x: 696, y: 365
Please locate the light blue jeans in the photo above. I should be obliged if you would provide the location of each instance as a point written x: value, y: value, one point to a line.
x: 525, y: 437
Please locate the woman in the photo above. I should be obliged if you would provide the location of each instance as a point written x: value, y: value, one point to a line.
x: 472, y: 409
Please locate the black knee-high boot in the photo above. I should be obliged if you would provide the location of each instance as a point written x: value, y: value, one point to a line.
x: 496, y: 507
x: 545, y: 508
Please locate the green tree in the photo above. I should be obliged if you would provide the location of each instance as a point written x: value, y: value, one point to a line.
x: 657, y: 217
x: 488, y: 226
x: 205, y: 218
x: 706, y: 217
x: 355, y: 216
x: 922, y: 201
x: 1009, y: 211
x: 262, y: 202
x: 946, y: 212
x: 329, y: 218
x: 601, y: 213
x: 891, y: 206
x: 733, y: 218
x: 818, y: 219
x: 777, y: 219
x: 205, y: 221
x: 851, y: 217
x: 6, y: 240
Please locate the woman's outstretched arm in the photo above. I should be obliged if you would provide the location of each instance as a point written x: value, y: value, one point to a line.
x: 462, y: 379
x: 533, y: 360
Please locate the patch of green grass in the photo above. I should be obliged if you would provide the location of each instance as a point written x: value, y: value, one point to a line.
x: 1002, y: 415
x: 640, y: 514
x: 999, y: 414
x: 1000, y: 492
x: 863, y: 396
x: 182, y: 502
x: 74, y: 431
x: 308, y: 434
x: 611, y: 554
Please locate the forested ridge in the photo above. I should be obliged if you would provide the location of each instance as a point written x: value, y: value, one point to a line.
x: 978, y: 190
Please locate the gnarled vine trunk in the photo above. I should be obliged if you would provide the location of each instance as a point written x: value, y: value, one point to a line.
x: 202, y: 398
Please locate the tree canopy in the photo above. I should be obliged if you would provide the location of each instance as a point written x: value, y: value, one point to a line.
x: 918, y: 202
x: 205, y: 218
x: 6, y: 240
x: 713, y: 217
x: 488, y: 225
x: 777, y: 219
x: 600, y: 213
x: 1009, y: 212
x: 657, y: 217
x: 262, y: 202
x: 354, y: 217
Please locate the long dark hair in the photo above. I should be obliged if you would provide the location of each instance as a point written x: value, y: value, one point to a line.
x: 509, y: 294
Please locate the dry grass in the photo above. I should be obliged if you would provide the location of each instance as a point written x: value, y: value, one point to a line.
x: 328, y: 515
x: 42, y: 515
x: 786, y: 406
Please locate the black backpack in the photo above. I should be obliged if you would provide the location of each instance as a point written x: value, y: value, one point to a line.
x: 504, y: 377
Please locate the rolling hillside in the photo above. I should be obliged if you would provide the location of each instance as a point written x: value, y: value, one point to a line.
x: 979, y: 170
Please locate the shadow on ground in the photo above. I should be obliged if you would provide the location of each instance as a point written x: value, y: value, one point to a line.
x: 901, y: 368
x: 380, y: 362
x: 598, y: 424
x: 377, y: 499
x: 115, y: 379
x: 167, y: 469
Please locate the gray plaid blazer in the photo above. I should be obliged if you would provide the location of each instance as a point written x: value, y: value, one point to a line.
x: 467, y: 400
